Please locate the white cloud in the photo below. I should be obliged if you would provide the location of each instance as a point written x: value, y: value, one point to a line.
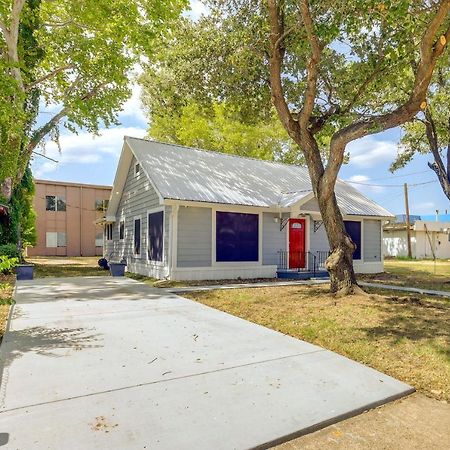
x: 360, y: 181
x: 84, y: 148
x: 132, y: 109
x: 368, y: 152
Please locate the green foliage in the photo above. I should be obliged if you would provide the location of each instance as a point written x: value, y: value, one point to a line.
x: 21, y: 224
x: 9, y: 250
x: 7, y: 264
x: 221, y: 129
x: 78, y: 56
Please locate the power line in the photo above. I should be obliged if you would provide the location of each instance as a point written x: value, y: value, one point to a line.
x: 390, y: 185
x: 401, y: 176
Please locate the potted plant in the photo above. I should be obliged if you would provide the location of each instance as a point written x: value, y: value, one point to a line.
x: 24, y: 270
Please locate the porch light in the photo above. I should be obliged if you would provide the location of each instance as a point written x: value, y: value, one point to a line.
x: 275, y: 219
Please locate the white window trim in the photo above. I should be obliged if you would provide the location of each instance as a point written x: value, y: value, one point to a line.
x: 137, y: 255
x: 151, y: 261
x: 136, y: 172
x: 106, y: 232
x: 361, y: 238
x: 214, y: 262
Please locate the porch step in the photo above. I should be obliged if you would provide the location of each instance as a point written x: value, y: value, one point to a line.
x: 301, y: 275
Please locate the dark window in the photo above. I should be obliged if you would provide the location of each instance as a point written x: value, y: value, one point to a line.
x: 137, y: 169
x: 354, y: 230
x: 121, y: 229
x: 155, y: 236
x: 60, y: 204
x: 236, y: 237
x: 51, y: 203
x: 137, y: 236
x: 54, y: 203
x: 109, y: 231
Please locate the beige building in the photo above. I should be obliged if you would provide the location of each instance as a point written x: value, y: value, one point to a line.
x: 66, y: 213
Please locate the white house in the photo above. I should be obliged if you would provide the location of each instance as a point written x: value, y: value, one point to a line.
x: 184, y: 213
x: 428, y: 240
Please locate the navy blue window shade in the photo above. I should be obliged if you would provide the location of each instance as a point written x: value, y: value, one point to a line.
x: 236, y: 237
x: 155, y: 236
x: 137, y: 236
x: 354, y: 230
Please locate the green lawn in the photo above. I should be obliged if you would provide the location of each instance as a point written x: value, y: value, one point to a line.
x: 407, y: 337
x: 66, y: 267
x: 421, y: 273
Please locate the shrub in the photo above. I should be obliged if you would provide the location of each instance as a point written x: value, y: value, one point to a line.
x: 9, y: 250
x: 7, y: 264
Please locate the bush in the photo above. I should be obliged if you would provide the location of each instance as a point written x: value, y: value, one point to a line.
x: 7, y: 264
x: 9, y: 250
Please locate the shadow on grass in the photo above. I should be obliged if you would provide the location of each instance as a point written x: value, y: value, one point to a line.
x: 69, y: 270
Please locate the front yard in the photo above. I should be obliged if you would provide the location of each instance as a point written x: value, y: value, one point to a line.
x: 407, y: 337
x: 423, y: 274
x: 7, y: 283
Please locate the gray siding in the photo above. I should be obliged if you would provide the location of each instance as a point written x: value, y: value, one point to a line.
x: 194, y: 237
x: 318, y: 240
x: 372, y: 240
x: 311, y: 205
x: 274, y: 240
x: 137, y: 198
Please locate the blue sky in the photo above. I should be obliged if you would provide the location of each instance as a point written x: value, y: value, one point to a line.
x: 93, y: 159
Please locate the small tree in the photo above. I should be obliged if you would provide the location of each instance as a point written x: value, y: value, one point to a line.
x: 429, y: 132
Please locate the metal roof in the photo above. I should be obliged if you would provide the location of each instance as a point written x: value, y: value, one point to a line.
x: 190, y: 174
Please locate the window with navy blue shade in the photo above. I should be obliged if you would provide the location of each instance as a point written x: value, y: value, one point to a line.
x: 137, y: 236
x: 155, y: 236
x: 354, y: 230
x: 237, y: 237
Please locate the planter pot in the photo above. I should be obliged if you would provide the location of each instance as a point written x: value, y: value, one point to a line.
x: 24, y: 271
x: 117, y: 269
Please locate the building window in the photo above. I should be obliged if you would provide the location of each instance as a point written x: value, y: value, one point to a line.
x: 54, y: 239
x: 101, y: 205
x: 55, y: 203
x: 122, y: 230
x: 137, y: 236
x: 137, y: 169
x: 109, y: 231
x: 353, y: 229
x: 155, y: 236
x: 99, y: 239
x: 237, y: 237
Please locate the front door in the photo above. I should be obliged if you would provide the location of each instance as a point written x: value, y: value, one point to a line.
x: 297, y: 243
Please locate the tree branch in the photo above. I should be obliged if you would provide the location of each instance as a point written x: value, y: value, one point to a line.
x: 430, y: 51
x: 48, y: 76
x: 312, y: 68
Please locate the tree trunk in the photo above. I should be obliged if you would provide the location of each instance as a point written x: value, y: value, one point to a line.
x: 340, y: 262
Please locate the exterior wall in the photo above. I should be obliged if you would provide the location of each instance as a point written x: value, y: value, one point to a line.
x: 273, y: 240
x: 372, y: 241
x: 77, y: 222
x: 137, y: 200
x: 194, y: 244
x: 318, y: 240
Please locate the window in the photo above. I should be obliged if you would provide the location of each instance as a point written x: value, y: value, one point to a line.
x: 121, y: 229
x: 237, y: 237
x: 99, y: 239
x: 55, y: 203
x: 353, y: 228
x: 137, y: 236
x: 101, y: 205
x: 109, y: 231
x: 155, y: 236
x: 54, y: 239
x: 137, y: 169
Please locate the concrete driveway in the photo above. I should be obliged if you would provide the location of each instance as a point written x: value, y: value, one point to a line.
x: 109, y: 363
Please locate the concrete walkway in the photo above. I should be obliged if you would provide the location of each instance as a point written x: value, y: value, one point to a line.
x: 105, y: 363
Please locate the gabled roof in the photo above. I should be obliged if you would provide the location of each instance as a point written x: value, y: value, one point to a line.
x: 190, y: 174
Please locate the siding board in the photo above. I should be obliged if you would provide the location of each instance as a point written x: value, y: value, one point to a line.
x: 372, y: 240
x: 274, y: 240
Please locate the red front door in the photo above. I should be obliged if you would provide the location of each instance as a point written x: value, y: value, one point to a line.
x: 296, y: 243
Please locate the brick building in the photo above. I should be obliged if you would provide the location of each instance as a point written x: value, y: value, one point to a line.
x: 66, y: 213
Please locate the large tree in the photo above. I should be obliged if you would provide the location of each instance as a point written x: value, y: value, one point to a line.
x: 329, y: 67
x: 72, y: 56
x: 429, y: 132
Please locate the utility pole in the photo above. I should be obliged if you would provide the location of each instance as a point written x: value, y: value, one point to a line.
x: 408, y: 225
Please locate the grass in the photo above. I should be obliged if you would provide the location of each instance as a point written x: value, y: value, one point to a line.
x: 416, y: 273
x: 7, y: 283
x: 403, y: 336
x: 66, y: 267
